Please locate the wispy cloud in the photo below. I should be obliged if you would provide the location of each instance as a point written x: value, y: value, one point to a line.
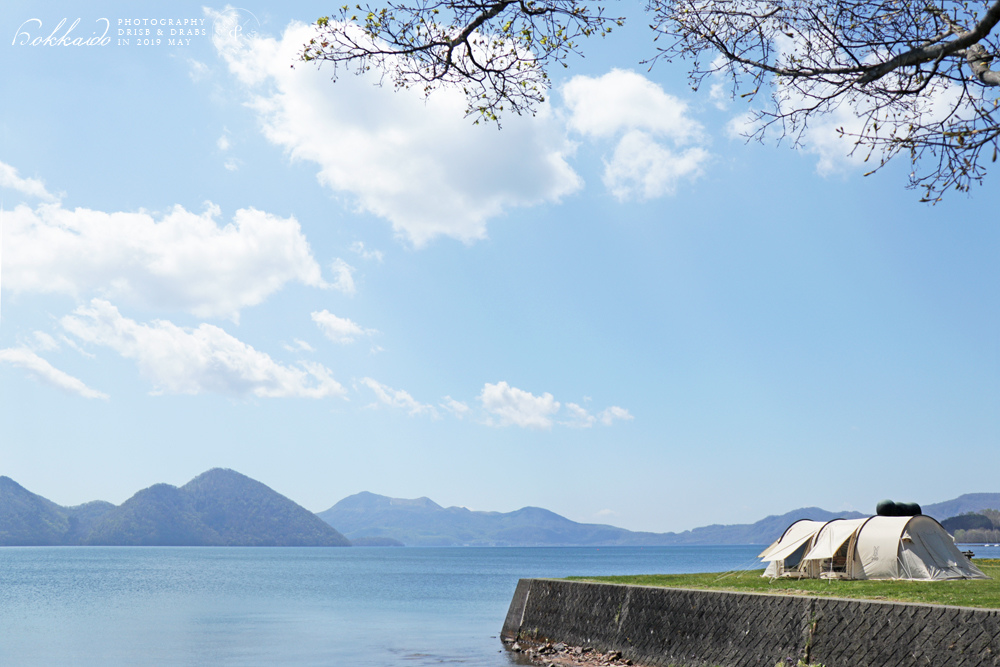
x: 398, y: 398
x: 197, y: 70
x: 579, y: 417
x: 46, y: 373
x: 509, y: 406
x: 339, y: 329
x: 44, y: 342
x: 457, y: 408
x: 343, y: 277
x: 32, y: 187
x: 299, y: 346
x: 359, y: 248
x: 613, y: 414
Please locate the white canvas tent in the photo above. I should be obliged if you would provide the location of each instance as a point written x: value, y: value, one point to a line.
x: 879, y: 547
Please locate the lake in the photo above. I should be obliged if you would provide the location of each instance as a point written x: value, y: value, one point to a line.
x: 362, y: 607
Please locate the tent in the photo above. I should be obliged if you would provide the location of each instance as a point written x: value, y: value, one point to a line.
x: 879, y: 547
x: 786, y: 553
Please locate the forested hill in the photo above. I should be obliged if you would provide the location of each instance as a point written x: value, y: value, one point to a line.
x: 217, y: 508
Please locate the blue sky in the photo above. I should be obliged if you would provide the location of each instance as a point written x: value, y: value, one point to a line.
x: 618, y: 309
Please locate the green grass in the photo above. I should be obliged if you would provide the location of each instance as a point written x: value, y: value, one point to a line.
x: 963, y: 593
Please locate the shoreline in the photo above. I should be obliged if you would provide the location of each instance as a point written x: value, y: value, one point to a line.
x: 561, y: 654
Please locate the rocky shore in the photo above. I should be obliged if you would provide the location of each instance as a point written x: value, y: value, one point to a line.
x: 563, y: 655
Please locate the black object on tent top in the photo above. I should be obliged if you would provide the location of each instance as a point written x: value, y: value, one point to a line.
x: 891, y: 508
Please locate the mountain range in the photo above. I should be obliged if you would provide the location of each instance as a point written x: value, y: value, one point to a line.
x: 217, y: 508
x: 224, y: 508
x: 422, y: 522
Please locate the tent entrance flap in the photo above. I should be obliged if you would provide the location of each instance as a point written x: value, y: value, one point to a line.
x: 793, y: 536
x: 832, y: 537
x: 786, y: 550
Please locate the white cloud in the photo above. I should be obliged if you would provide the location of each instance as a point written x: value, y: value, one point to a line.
x: 833, y: 150
x: 721, y: 91
x: 579, y: 417
x: 31, y: 187
x: 457, y: 408
x: 299, y: 346
x: 44, y: 341
x: 197, y: 70
x: 849, y: 112
x: 46, y: 373
x: 224, y: 144
x: 73, y: 345
x: 627, y: 106
x: 397, y: 398
x: 419, y: 164
x: 822, y: 138
x: 641, y: 168
x: 614, y: 413
x: 180, y: 260
x: 359, y: 248
x: 344, y: 280
x: 179, y: 360
x: 740, y: 125
x: 510, y: 405
x: 506, y: 405
x: 339, y: 329
x: 719, y: 95
x: 624, y: 100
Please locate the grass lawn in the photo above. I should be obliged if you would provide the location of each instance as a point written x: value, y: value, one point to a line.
x: 964, y: 593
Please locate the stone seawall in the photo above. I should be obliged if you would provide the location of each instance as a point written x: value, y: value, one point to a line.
x: 670, y: 627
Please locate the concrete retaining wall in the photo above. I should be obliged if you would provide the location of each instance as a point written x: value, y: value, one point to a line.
x: 669, y: 627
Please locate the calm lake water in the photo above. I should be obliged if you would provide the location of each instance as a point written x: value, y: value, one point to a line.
x: 357, y: 607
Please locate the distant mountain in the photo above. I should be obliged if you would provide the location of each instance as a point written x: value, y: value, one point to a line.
x: 218, y: 508
x: 83, y: 518
x: 422, y: 522
x: 224, y: 508
x: 161, y: 515
x: 969, y: 502
x: 27, y: 519
x: 244, y: 512
x: 765, y: 531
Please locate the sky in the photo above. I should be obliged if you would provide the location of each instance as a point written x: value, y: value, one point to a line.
x: 617, y: 309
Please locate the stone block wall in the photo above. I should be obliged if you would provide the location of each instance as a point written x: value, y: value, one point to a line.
x: 670, y: 627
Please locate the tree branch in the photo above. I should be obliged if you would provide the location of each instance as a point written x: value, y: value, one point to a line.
x: 926, y: 54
